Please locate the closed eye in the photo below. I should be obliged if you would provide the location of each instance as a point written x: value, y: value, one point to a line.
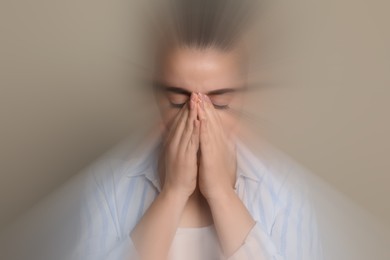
x: 177, y: 100
x: 180, y: 105
x: 221, y: 101
x: 175, y: 105
x: 221, y: 107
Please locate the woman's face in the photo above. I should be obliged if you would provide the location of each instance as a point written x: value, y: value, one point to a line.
x: 213, y: 72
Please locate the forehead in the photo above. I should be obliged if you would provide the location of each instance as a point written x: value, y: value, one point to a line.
x: 201, y: 70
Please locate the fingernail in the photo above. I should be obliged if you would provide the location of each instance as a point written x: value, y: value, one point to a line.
x: 193, y: 98
x: 202, y: 104
x: 192, y: 104
x: 200, y: 98
x: 206, y: 98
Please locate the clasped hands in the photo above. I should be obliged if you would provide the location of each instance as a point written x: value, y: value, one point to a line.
x: 197, y: 151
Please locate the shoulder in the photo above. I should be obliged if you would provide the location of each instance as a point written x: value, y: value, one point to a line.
x: 274, y: 170
x: 115, y: 180
x: 124, y: 162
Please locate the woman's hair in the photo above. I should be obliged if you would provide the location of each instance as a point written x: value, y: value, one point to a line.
x: 202, y: 23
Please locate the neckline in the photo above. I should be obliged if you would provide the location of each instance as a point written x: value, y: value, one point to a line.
x: 194, y: 229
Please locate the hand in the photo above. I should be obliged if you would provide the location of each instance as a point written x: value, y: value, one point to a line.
x: 217, y: 169
x: 178, y: 162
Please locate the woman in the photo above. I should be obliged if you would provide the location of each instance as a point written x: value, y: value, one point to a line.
x: 197, y: 192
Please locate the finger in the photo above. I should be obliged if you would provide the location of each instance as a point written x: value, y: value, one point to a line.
x: 180, y: 126
x: 204, y: 136
x: 207, y: 118
x: 201, y: 111
x: 207, y: 112
x: 187, y: 132
x: 174, y: 124
x: 204, y: 119
x: 172, y: 127
x: 211, y: 111
x: 193, y: 144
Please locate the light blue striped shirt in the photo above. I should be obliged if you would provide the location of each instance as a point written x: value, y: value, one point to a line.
x: 120, y: 187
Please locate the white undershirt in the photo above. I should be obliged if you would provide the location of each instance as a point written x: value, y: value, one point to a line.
x: 195, y: 244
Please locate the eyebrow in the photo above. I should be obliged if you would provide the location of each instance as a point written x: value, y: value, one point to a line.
x: 182, y: 91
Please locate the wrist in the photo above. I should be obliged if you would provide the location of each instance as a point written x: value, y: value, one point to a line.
x: 175, y: 196
x: 221, y: 197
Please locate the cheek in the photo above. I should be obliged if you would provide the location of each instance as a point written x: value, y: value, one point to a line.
x: 168, y: 115
x: 166, y: 112
x: 228, y: 120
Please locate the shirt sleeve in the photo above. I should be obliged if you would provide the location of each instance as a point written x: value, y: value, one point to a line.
x: 100, y: 237
x: 120, y: 249
x: 258, y: 245
x: 124, y: 249
x: 293, y: 234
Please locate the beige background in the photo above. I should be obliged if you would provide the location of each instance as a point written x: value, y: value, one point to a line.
x: 67, y: 67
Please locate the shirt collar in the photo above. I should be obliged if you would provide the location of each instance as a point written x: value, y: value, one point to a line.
x: 145, y: 161
x: 248, y: 165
